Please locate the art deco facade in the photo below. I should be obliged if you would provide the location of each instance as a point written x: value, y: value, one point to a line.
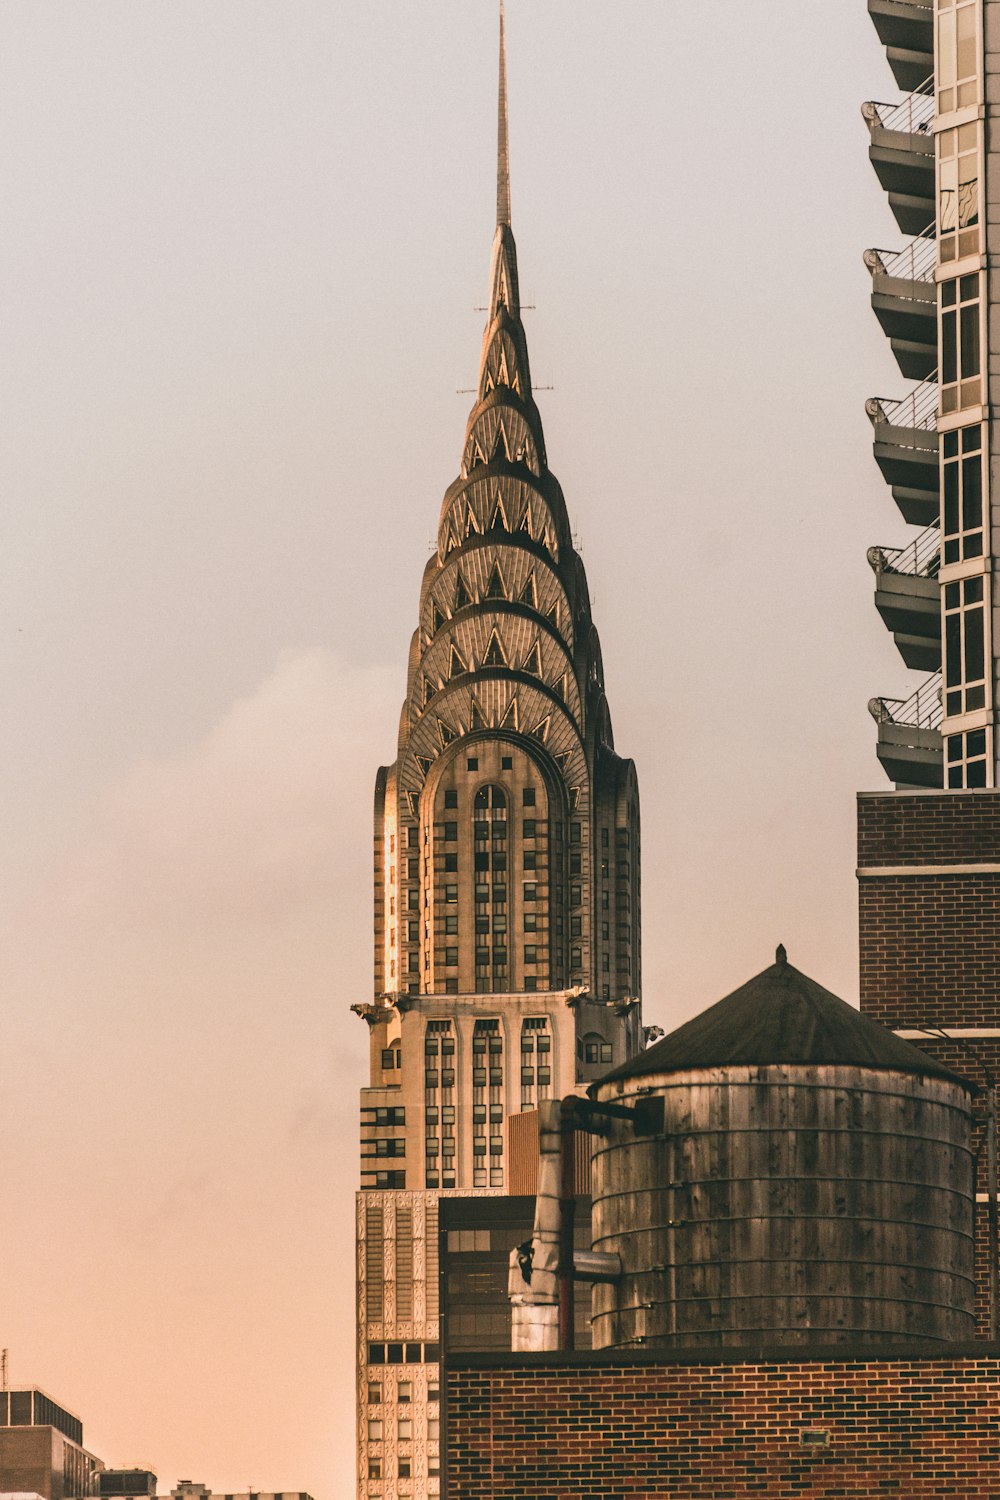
x: 506, y: 864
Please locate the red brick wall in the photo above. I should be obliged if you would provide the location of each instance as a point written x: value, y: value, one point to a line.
x: 930, y: 944
x: 615, y: 1428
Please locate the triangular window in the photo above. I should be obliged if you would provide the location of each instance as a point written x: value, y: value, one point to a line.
x: 553, y: 614
x: 533, y: 661
x: 455, y: 663
x: 494, y: 653
x: 477, y: 721
x: 501, y: 448
x: 541, y: 731
x: 498, y: 520
x: 559, y: 688
x: 574, y: 798
x: 437, y: 618
x: 509, y: 720
x: 529, y: 594
x: 472, y: 524
x: 445, y: 732
x: 462, y: 595
x: 495, y: 588
x: 562, y: 760
x: 413, y: 801
x: 428, y: 691
x: 424, y: 763
x: 525, y: 522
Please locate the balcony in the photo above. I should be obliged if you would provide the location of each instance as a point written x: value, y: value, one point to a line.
x: 909, y: 736
x: 906, y: 450
x: 906, y: 30
x: 908, y: 597
x: 902, y: 152
x: 904, y: 299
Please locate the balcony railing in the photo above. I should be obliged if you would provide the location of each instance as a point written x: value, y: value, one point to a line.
x: 913, y: 115
x: 920, y: 559
x: 918, y: 409
x: 922, y: 710
x: 917, y: 261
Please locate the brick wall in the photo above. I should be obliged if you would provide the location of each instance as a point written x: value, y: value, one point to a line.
x: 929, y: 943
x: 623, y: 1427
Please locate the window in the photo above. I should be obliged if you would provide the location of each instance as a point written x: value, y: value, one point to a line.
x: 413, y: 869
x: 390, y: 1179
x: 405, y: 1467
x: 375, y: 1430
x: 451, y: 957
x: 528, y: 797
x: 506, y: 763
x: 964, y: 646
x: 374, y: 1391
x: 451, y: 986
x: 575, y: 926
x: 530, y: 890
x: 451, y: 923
x: 391, y: 1058
x: 404, y: 1391
x: 574, y: 833
x: 957, y: 55
x: 530, y: 921
x: 961, y: 383
x: 451, y: 799
x: 473, y: 763
x: 450, y: 832
x: 967, y: 759
x: 576, y: 958
x: 433, y: 1429
x: 451, y: 863
x: 958, y: 192
x: 451, y: 893
x: 529, y: 859
x: 530, y: 953
x: 392, y: 1116
x: 404, y: 1429
x: 434, y: 1390
x: 531, y: 982
x: 962, y: 487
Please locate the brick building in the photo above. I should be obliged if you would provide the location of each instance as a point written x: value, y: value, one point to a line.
x: 830, y: 1425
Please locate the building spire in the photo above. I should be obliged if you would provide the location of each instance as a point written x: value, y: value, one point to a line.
x: 503, y: 153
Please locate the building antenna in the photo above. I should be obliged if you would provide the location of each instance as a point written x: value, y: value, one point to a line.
x: 3, y: 1369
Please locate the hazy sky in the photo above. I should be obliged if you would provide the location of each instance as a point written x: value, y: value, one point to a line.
x: 243, y: 244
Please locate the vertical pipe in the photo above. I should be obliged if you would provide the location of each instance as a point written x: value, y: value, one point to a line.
x: 567, y: 1209
x: 991, y: 1189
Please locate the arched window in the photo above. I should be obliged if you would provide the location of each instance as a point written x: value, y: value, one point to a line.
x: 594, y: 1050
x: 536, y: 1061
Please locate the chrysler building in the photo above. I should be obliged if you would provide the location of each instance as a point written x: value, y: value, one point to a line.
x: 506, y: 877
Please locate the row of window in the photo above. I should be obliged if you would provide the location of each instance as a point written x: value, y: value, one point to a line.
x: 404, y: 1354
x: 404, y: 1429
x: 528, y: 793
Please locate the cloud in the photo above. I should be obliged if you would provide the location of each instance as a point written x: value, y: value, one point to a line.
x: 265, y: 814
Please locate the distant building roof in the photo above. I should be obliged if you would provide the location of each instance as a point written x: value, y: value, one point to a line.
x: 781, y: 1016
